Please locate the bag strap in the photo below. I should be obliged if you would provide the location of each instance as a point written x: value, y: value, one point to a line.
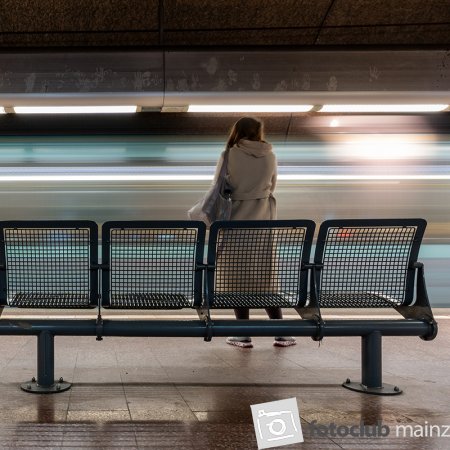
x: 224, y: 186
x: 224, y: 168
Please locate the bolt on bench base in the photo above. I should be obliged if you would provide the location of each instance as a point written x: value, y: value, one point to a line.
x: 385, y: 389
x: 371, y: 355
x: 45, y: 383
x: 33, y: 387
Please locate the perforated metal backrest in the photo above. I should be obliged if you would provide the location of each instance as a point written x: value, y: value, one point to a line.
x: 258, y: 264
x: 152, y: 264
x: 367, y: 263
x: 47, y: 264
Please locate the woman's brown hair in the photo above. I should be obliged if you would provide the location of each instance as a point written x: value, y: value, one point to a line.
x: 246, y: 128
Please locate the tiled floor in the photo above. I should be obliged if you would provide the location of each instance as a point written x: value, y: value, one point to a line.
x: 185, y: 393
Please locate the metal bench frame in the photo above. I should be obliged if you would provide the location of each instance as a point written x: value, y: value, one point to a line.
x: 375, y: 232
x: 417, y: 318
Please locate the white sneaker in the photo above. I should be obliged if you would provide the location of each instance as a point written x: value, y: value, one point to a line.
x: 243, y: 342
x: 284, y: 341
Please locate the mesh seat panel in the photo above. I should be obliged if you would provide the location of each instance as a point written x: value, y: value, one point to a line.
x: 356, y: 300
x: 152, y: 268
x: 365, y: 267
x: 150, y: 301
x: 34, y: 300
x: 250, y: 300
x: 48, y: 267
x: 258, y: 267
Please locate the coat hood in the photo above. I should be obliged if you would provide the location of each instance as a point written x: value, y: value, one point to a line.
x: 258, y: 149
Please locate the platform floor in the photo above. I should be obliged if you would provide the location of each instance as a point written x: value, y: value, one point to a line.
x: 185, y: 393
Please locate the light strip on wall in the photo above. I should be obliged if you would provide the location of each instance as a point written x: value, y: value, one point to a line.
x: 249, y: 108
x: 382, y: 108
x: 74, y: 109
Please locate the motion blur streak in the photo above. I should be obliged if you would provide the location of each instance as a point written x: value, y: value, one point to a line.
x: 320, y: 177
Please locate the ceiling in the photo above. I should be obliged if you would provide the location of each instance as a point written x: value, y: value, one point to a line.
x: 32, y: 24
x: 162, y: 54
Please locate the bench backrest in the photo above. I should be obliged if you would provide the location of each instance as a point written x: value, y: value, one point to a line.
x: 152, y: 264
x: 258, y: 264
x: 47, y: 264
x: 367, y: 263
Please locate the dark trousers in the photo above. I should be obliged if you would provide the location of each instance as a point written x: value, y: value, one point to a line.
x: 244, y: 313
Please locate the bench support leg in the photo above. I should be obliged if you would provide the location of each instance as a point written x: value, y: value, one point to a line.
x: 371, y: 364
x: 45, y: 383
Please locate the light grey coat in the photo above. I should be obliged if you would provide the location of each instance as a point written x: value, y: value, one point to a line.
x: 252, y: 174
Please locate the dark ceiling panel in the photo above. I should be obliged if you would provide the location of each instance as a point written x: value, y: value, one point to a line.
x: 236, y: 38
x: 409, y: 35
x: 233, y: 23
x: 82, y: 39
x: 388, y: 12
x: 45, y: 16
x: 237, y: 14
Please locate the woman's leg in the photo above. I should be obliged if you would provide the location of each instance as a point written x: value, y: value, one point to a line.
x: 241, y: 341
x: 242, y: 313
x: 280, y: 341
x: 274, y: 312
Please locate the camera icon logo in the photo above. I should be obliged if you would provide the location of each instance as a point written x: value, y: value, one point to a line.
x: 277, y: 423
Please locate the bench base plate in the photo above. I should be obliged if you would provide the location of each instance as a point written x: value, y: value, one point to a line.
x: 385, y: 389
x: 32, y: 386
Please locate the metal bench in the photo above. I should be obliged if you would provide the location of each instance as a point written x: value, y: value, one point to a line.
x: 258, y: 264
x: 47, y: 265
x: 373, y: 264
x: 357, y: 264
x: 152, y: 265
x: 254, y: 264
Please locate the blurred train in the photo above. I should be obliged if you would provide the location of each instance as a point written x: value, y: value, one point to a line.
x: 321, y: 176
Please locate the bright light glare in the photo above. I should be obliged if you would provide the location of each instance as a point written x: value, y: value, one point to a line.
x: 74, y: 109
x: 2, y: 110
x: 249, y: 108
x: 381, y: 108
x: 378, y: 147
x: 334, y: 123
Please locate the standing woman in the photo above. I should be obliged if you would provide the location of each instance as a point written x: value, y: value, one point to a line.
x: 252, y: 175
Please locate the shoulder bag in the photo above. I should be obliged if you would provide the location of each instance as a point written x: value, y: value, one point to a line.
x: 216, y: 203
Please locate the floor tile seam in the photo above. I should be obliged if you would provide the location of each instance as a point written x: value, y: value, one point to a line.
x: 178, y: 388
x: 175, y: 385
x: 122, y: 384
x: 20, y: 349
x: 71, y: 389
x: 355, y: 360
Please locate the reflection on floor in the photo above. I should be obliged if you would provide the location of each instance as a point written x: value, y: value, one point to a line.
x: 185, y: 393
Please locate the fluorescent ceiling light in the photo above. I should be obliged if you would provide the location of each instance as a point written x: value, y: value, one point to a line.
x: 250, y: 108
x: 381, y: 108
x: 74, y: 109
